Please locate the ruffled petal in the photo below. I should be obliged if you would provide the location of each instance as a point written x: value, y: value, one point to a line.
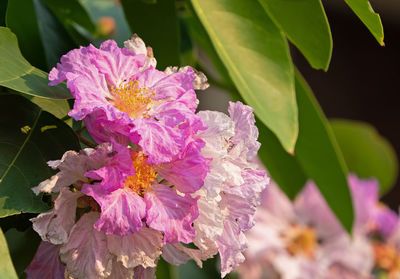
x: 161, y: 143
x: 86, y: 254
x: 122, y: 210
x: 177, y: 254
x: 120, y: 272
x: 200, y: 79
x: 231, y: 246
x: 140, y: 248
x: 145, y: 273
x: 46, y: 263
x: 117, y: 64
x: 189, y: 170
x: 55, y: 225
x: 245, y: 130
x: 170, y: 213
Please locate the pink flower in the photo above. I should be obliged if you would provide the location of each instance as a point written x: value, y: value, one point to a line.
x: 304, y: 239
x: 127, y: 208
x: 119, y: 94
x: 231, y: 190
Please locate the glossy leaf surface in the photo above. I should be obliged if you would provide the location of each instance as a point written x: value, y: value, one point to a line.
x: 16, y: 73
x: 306, y: 25
x: 257, y: 58
x: 29, y: 137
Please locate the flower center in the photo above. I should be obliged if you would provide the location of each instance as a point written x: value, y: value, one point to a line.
x: 387, y: 258
x: 131, y: 98
x: 301, y: 240
x: 144, y: 176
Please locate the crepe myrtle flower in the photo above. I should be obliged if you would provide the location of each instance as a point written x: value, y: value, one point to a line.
x: 303, y: 239
x: 113, y: 210
x: 231, y: 190
x: 119, y: 93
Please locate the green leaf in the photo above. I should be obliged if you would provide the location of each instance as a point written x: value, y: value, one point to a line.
x: 157, y: 24
x: 22, y: 20
x: 36, y: 26
x: 283, y: 167
x: 7, y: 270
x: 257, y: 58
x: 366, y: 152
x: 71, y: 12
x: 319, y: 154
x: 29, y: 137
x: 306, y: 25
x: 22, y: 246
x: 16, y: 73
x: 73, y: 15
x: 363, y: 9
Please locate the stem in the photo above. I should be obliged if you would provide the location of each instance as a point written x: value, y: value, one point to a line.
x: 86, y: 141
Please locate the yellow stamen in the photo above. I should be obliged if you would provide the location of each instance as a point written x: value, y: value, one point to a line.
x: 145, y: 174
x: 131, y: 98
x: 301, y: 240
x: 387, y: 258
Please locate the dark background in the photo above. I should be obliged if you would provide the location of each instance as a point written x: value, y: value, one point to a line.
x: 363, y: 80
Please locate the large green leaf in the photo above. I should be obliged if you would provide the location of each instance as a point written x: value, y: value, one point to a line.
x: 38, y: 28
x: 22, y: 246
x: 7, y: 270
x: 29, y: 137
x: 283, y: 167
x: 366, y: 152
x: 71, y: 13
x: 157, y: 24
x: 22, y: 20
x: 363, y: 9
x: 257, y: 58
x: 305, y: 24
x: 16, y: 73
x: 319, y: 154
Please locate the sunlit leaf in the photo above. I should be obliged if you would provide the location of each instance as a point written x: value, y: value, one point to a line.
x: 16, y: 73
x: 257, y: 58
x: 7, y: 270
x: 157, y: 24
x: 319, y: 154
x: 363, y: 9
x: 366, y: 152
x: 305, y: 24
x: 29, y: 137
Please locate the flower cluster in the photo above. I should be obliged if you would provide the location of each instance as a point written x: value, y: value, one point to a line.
x: 162, y: 174
x: 304, y: 239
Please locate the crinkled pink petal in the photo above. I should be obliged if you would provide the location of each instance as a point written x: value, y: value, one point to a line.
x: 86, y: 254
x: 220, y: 129
x: 120, y: 272
x: 189, y: 170
x: 177, y: 254
x: 167, y: 86
x: 139, y: 248
x: 46, y: 263
x: 117, y: 64
x: 385, y: 220
x: 245, y: 130
x: 145, y: 273
x: 102, y: 129
x: 122, y: 210
x: 231, y: 246
x: 161, y: 143
x: 55, y: 225
x: 171, y: 213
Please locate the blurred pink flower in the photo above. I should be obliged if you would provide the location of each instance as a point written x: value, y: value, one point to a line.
x: 304, y: 239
